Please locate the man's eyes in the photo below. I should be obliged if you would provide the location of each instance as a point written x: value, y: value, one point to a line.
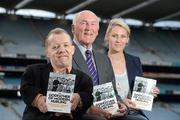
x: 66, y: 45
x: 84, y: 23
x: 55, y: 47
x: 58, y: 46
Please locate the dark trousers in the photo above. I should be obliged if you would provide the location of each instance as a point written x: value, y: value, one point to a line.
x: 60, y: 118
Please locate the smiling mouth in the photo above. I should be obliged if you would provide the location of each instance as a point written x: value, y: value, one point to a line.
x: 118, y: 44
x: 88, y: 34
x: 62, y: 56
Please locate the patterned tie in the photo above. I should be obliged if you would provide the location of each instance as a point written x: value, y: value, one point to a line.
x: 91, y: 67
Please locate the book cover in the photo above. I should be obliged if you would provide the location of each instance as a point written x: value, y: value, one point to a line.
x: 59, y: 92
x: 104, y: 97
x: 141, y: 94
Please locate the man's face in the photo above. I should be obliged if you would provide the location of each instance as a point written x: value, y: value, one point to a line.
x: 60, y: 50
x: 86, y: 28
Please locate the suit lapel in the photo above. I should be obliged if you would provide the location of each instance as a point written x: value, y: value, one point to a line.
x: 45, y: 76
x: 99, y: 69
x: 130, y: 69
x: 79, y: 61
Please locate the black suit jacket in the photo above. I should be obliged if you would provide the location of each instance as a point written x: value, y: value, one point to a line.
x: 35, y: 80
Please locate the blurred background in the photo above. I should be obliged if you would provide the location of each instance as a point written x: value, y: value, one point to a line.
x: 155, y: 38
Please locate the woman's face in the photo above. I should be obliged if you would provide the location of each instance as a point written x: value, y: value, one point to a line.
x: 117, y: 39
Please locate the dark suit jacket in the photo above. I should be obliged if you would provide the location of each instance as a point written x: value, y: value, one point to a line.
x: 35, y: 80
x: 134, y: 68
x: 103, y: 66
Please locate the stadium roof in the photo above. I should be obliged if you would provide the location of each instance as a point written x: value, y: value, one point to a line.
x: 145, y: 10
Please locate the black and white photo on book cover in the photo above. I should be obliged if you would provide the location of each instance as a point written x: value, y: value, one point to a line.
x: 142, y: 95
x: 59, y: 92
x: 104, y: 97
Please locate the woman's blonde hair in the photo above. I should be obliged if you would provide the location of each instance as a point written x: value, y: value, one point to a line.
x: 116, y: 22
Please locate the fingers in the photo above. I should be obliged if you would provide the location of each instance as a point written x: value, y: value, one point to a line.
x: 105, y: 114
x: 75, y: 101
x: 155, y: 91
x: 122, y: 110
x: 122, y: 106
x: 41, y: 104
x: 130, y: 103
x: 100, y: 112
x: 43, y: 108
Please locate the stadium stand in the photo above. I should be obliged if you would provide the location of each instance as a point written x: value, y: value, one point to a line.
x: 21, y: 34
x: 153, y: 45
x: 23, y: 44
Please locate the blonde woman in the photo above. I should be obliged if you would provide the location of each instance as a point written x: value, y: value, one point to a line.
x: 125, y: 66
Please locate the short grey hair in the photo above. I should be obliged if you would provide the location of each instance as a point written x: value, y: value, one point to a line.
x: 76, y: 16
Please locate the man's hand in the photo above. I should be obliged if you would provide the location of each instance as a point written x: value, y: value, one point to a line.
x: 75, y: 102
x: 130, y: 104
x: 122, y: 110
x: 76, y: 99
x: 98, y: 111
x: 40, y: 103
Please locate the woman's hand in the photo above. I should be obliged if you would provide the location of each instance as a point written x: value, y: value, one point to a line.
x: 155, y: 91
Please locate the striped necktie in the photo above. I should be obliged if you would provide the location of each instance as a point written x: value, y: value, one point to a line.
x: 91, y: 67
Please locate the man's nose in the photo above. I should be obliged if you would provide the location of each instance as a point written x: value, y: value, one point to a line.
x: 61, y: 49
x: 88, y: 26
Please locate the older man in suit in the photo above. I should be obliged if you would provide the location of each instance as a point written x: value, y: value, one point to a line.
x: 85, y: 29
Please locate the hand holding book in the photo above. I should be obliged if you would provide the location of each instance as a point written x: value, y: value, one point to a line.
x: 99, y: 111
x: 39, y: 102
x: 75, y: 101
x: 60, y: 94
x: 144, y: 92
x: 130, y: 103
x: 106, y: 103
x: 121, y: 111
x: 155, y: 91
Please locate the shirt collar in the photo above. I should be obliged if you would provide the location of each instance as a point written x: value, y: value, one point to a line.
x: 82, y: 48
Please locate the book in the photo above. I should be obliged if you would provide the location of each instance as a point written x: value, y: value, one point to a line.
x: 105, y: 98
x: 59, y: 92
x: 141, y: 94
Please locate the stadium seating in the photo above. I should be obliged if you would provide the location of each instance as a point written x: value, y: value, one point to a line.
x: 22, y: 40
x: 26, y: 36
